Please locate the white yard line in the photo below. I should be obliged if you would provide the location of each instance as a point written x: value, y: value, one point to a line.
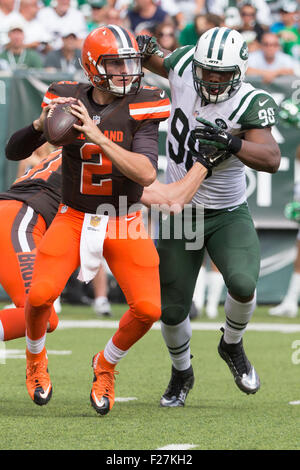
x: 178, y: 447
x: 124, y: 399
x: 200, y: 326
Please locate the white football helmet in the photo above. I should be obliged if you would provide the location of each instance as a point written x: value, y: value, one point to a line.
x: 220, y: 50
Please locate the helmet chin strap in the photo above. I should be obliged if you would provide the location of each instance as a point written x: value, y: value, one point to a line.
x: 119, y: 90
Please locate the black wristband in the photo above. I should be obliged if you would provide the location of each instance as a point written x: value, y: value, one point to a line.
x: 34, y: 130
x: 235, y: 145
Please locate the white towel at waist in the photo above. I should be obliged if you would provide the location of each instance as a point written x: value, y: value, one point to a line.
x: 91, y: 245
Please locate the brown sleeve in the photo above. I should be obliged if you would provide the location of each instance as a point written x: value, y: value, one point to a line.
x: 23, y: 142
x: 145, y: 141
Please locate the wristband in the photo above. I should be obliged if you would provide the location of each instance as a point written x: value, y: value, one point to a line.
x: 235, y: 144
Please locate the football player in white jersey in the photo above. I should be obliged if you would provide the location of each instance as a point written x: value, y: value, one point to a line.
x: 212, y: 106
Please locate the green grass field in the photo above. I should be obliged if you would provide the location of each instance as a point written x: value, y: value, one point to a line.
x: 216, y: 416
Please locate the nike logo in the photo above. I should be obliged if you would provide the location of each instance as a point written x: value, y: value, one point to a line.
x: 233, y: 208
x: 46, y: 393
x: 100, y: 403
x: 162, y: 94
x: 130, y: 218
x: 261, y: 103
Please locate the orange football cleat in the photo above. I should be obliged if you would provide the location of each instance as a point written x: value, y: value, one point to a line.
x: 103, y: 394
x: 38, y: 381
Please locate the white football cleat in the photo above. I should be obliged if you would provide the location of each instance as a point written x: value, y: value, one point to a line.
x: 102, y: 307
x: 284, y: 309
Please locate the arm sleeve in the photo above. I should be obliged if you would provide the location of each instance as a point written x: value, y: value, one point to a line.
x: 145, y: 141
x: 23, y: 142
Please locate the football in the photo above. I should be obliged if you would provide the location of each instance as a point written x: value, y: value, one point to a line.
x: 58, y: 125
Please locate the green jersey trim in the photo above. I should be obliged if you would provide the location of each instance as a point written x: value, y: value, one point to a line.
x: 232, y: 115
x: 179, y: 59
x: 260, y: 113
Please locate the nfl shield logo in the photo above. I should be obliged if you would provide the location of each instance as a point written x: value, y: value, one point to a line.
x: 95, y: 221
x: 96, y: 120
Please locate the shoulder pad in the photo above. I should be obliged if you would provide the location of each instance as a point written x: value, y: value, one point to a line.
x: 179, y: 59
x: 150, y: 103
x: 261, y: 112
x: 56, y: 89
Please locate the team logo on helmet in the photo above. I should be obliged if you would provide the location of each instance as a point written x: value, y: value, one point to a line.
x: 244, y: 51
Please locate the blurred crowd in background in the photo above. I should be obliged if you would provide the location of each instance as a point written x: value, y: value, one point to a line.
x: 48, y: 33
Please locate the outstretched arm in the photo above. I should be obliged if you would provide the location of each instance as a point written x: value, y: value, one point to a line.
x: 175, y: 195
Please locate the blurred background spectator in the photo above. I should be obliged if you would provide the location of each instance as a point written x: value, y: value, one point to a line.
x: 60, y: 18
x: 16, y: 54
x: 270, y: 62
x: 145, y: 16
x: 201, y: 23
x: 7, y: 9
x: 36, y: 36
x: 66, y: 59
x: 98, y: 14
x: 166, y: 36
x: 288, y: 29
x: 250, y: 29
x: 229, y: 10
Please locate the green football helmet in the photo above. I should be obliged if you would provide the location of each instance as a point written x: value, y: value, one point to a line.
x: 219, y: 50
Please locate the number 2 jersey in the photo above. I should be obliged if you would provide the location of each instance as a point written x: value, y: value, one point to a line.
x: 89, y: 177
x: 248, y: 108
x: 40, y: 187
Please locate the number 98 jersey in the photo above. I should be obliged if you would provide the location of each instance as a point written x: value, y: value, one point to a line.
x: 89, y: 179
x: 248, y: 108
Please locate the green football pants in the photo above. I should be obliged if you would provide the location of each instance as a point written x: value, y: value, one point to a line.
x: 232, y: 243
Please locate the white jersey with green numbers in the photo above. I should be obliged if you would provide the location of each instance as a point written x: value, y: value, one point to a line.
x: 248, y: 108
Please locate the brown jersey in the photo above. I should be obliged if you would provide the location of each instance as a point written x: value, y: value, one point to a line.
x: 40, y: 187
x: 89, y: 177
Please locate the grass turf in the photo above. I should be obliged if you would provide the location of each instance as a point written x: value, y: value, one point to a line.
x: 216, y: 416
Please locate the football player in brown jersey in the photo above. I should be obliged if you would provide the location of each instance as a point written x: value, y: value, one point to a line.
x: 28, y: 208
x: 103, y: 170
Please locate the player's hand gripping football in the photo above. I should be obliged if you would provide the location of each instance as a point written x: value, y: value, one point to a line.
x: 38, y: 124
x: 88, y: 127
x: 148, y: 46
x: 211, y: 134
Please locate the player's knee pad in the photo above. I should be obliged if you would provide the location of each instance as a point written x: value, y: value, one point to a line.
x: 241, y: 285
x: 41, y: 293
x: 147, y: 311
x: 173, y: 314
